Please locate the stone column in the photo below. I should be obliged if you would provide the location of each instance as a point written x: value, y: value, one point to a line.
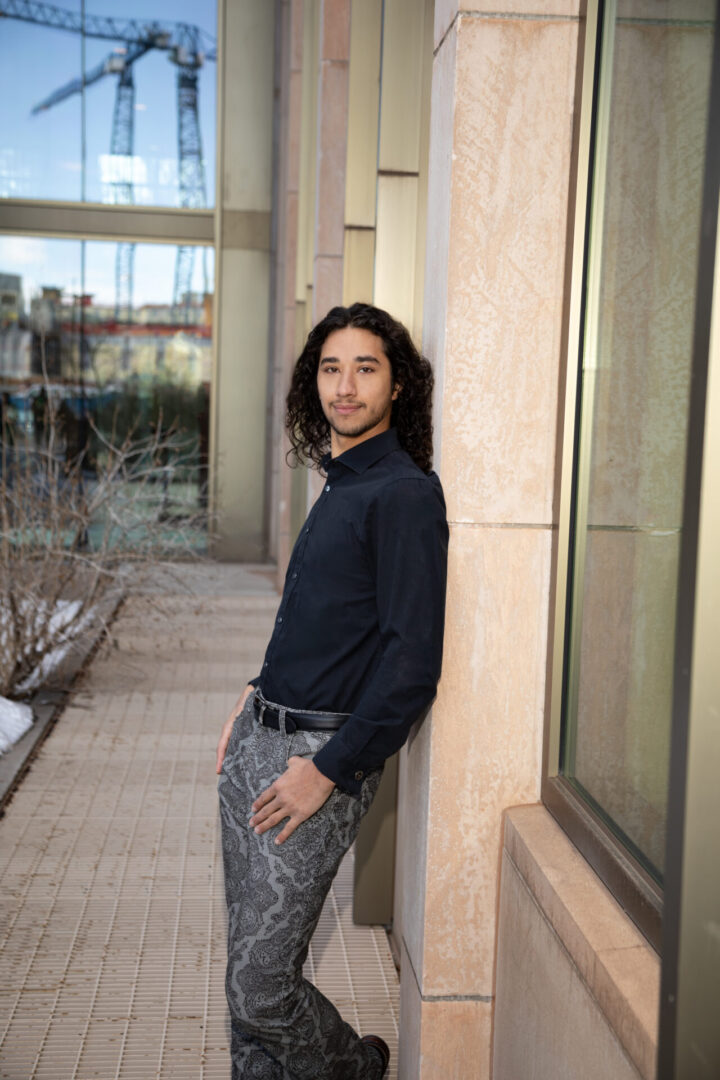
x: 240, y: 379
x: 288, y: 80
x: 500, y: 145
x: 332, y: 117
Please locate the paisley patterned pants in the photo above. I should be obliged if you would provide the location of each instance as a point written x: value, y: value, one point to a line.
x: 283, y: 1028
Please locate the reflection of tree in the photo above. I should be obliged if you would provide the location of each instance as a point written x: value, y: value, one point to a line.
x: 68, y: 539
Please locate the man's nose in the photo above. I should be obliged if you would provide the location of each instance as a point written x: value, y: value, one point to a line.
x: 346, y: 387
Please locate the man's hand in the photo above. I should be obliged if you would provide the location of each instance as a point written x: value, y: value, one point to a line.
x: 228, y: 725
x: 297, y: 794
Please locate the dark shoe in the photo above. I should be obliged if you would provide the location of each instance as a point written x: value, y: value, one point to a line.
x: 382, y: 1048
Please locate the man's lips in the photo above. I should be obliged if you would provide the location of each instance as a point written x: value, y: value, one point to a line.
x: 345, y: 410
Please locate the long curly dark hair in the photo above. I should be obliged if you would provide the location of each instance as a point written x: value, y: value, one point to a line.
x: 307, y: 427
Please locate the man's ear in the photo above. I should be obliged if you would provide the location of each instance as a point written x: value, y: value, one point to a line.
x: 396, y: 390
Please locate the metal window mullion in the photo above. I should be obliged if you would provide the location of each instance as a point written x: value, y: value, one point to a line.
x: 572, y: 376
x: 589, y: 367
x: 100, y: 221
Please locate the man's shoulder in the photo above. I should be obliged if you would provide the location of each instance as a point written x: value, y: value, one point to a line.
x: 402, y: 480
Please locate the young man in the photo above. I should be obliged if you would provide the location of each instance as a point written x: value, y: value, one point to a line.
x: 353, y: 661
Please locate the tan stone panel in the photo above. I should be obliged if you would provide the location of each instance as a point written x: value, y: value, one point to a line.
x: 562, y: 1034
x: 248, y: 106
x: 627, y: 987
x: 401, y: 96
x: 506, y: 267
x: 308, y: 142
x: 363, y: 113
x: 358, y: 265
x: 440, y: 167
x: 335, y: 29
x: 486, y: 742
x: 582, y: 912
x: 395, y: 246
x: 240, y: 388
x: 421, y: 227
x: 297, y: 30
x: 447, y: 11
x: 331, y: 150
x: 294, y: 129
x: 443, y: 1040
x: 290, y: 259
x: 455, y: 1040
x: 328, y: 288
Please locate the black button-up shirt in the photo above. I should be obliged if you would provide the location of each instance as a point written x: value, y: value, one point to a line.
x: 360, y: 626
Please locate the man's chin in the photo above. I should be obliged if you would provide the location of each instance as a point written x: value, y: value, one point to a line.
x: 350, y: 428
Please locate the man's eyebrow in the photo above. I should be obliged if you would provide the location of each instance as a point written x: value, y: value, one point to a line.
x: 356, y: 360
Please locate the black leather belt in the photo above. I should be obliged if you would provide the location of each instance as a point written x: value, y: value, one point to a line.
x: 268, y: 713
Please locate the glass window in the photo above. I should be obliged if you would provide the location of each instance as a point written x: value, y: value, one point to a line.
x: 142, y: 130
x: 640, y: 305
x: 121, y: 359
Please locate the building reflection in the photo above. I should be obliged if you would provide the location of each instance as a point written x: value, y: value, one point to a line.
x: 108, y: 380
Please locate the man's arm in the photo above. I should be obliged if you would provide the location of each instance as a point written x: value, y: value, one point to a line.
x: 407, y: 545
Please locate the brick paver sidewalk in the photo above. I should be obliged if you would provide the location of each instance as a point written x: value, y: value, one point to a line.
x: 112, y: 921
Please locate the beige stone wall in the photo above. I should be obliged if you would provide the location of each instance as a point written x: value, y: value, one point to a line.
x: 500, y: 144
x: 578, y: 986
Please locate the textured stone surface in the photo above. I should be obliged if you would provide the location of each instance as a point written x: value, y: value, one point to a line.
x: 561, y: 929
x: 563, y: 1034
x: 511, y: 158
x: 486, y: 743
x: 442, y: 1040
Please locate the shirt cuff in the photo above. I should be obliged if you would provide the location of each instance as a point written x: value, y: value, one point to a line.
x: 347, y: 778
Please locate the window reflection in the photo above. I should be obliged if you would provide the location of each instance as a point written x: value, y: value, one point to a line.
x: 140, y: 372
x: 138, y: 83
x: 635, y: 382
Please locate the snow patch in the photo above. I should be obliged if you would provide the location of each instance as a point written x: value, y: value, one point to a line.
x: 15, y: 720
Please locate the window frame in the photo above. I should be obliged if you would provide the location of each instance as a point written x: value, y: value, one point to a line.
x: 633, y: 887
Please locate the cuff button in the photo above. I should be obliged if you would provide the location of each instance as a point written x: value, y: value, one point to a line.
x: 359, y: 775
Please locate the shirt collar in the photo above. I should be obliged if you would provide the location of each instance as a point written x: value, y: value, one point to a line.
x: 361, y: 457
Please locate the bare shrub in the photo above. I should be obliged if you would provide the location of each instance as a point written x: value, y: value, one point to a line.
x: 71, y: 534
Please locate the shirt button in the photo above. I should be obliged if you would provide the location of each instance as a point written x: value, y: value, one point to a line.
x: 307, y: 530
x: 279, y: 618
x: 327, y: 487
x: 359, y: 774
x: 295, y: 574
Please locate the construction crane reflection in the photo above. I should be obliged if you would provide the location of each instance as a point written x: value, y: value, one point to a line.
x: 188, y: 48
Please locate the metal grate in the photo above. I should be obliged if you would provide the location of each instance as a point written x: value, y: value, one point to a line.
x: 112, y: 916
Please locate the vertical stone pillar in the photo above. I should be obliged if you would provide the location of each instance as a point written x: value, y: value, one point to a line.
x: 366, y: 35
x: 288, y: 79
x: 500, y: 145
x: 240, y: 379
x: 332, y: 117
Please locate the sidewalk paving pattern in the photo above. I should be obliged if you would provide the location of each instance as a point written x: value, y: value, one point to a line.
x: 112, y: 914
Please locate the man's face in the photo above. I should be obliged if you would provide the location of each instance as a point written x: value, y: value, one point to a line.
x: 355, y: 387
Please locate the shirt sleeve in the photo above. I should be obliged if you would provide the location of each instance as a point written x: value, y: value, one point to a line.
x: 407, y: 538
